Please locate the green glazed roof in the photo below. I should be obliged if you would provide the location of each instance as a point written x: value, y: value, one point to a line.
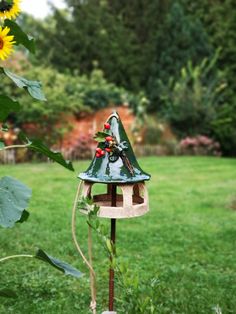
x: 102, y: 170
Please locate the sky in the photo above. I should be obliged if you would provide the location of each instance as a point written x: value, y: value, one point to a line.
x: 39, y: 8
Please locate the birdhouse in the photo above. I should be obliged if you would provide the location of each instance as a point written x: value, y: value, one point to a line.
x: 115, y: 165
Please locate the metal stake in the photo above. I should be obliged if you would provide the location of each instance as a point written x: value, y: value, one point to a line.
x: 113, y: 240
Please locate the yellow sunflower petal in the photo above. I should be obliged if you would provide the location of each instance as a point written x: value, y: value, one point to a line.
x: 6, y: 43
x: 10, y: 11
x: 5, y: 31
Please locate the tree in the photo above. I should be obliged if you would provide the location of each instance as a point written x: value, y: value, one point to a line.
x: 182, y: 39
x: 117, y: 36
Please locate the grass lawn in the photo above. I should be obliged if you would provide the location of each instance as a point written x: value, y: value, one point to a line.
x: 185, y: 246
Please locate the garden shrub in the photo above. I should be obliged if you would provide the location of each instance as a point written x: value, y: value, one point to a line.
x: 190, y: 102
x: 224, y: 128
x: 81, y: 149
x: 153, y: 131
x: 200, y: 145
x: 138, y: 295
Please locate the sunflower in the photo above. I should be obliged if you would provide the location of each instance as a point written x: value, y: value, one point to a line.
x: 6, y: 43
x: 9, y: 9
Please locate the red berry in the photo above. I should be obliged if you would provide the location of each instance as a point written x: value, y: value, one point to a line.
x: 107, y: 126
x: 98, y: 155
x: 109, y: 138
x: 108, y: 150
x: 98, y: 150
x: 102, y: 153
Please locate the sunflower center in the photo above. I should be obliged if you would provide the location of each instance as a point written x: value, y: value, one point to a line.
x: 1, y: 43
x: 5, y: 5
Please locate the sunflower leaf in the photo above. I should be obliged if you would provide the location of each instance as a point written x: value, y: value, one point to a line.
x: 33, y: 87
x: 7, y: 105
x: 22, y: 137
x: 24, y: 217
x: 38, y: 146
x: 20, y: 36
x: 67, y: 269
x: 14, y: 198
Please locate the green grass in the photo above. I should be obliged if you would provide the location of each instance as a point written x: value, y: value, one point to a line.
x: 187, y: 241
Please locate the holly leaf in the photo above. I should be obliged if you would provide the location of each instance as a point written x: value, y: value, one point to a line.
x: 38, y: 146
x: 101, y: 136
x: 34, y: 87
x: 20, y: 36
x: 7, y: 105
x: 67, y: 269
x: 14, y: 198
x: 7, y: 293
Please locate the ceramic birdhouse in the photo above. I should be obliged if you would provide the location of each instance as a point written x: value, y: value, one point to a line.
x: 115, y: 165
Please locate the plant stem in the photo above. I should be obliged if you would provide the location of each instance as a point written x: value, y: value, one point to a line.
x: 92, y: 277
x: 15, y: 256
x: 14, y: 146
x: 92, y: 272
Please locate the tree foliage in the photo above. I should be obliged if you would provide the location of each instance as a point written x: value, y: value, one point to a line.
x: 191, y: 102
x: 137, y: 44
x: 181, y: 40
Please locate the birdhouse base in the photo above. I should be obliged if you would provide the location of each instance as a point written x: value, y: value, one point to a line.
x: 133, y: 202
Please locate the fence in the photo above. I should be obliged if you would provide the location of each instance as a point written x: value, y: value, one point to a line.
x: 12, y: 156
x: 8, y: 156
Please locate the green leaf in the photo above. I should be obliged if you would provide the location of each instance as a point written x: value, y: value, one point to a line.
x: 24, y: 217
x: 2, y: 145
x: 38, y: 146
x: 62, y: 266
x: 23, y: 138
x: 20, y: 37
x: 14, y: 198
x: 101, y: 136
x: 7, y: 293
x: 33, y: 87
x: 4, y: 127
x: 7, y: 105
x: 109, y: 245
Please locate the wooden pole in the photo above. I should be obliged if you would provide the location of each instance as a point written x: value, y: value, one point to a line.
x: 113, y: 240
